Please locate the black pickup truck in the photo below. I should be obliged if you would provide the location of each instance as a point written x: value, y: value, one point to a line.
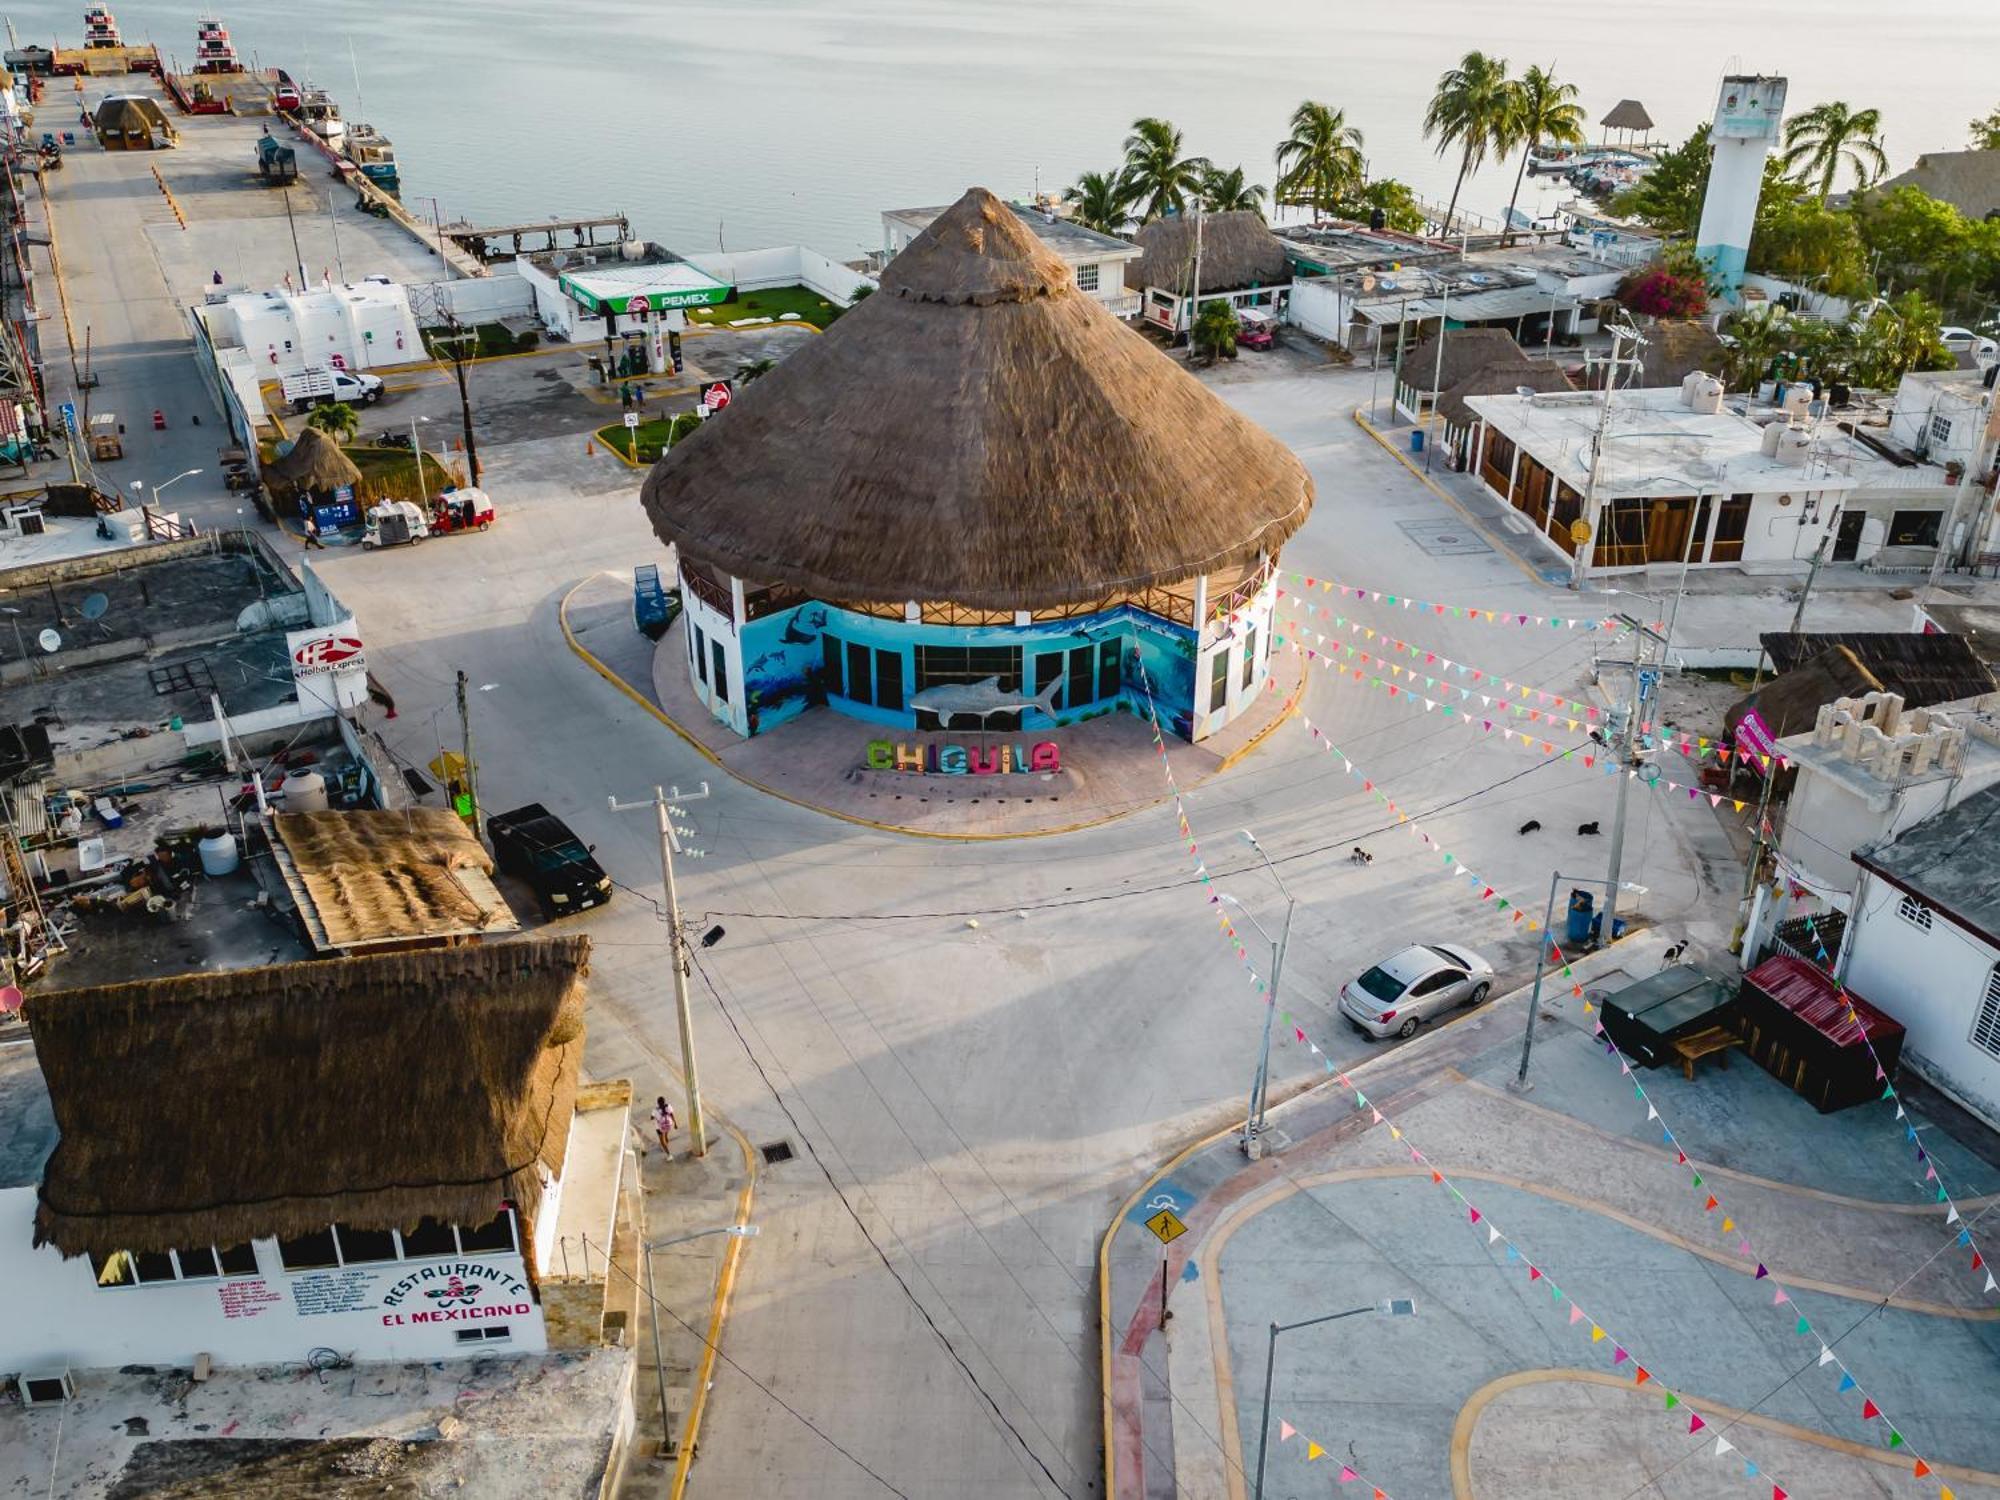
x: 534, y: 844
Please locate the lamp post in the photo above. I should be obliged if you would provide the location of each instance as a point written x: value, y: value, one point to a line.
x: 1253, y: 1121
x: 184, y: 474
x: 1556, y: 877
x: 737, y: 1231
x: 1391, y: 1307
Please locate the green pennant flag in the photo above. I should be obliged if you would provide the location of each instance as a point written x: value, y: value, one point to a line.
x: 1697, y: 1179
x: 1555, y: 1292
x: 1895, y: 1438
x: 1672, y: 1401
x: 1804, y: 1327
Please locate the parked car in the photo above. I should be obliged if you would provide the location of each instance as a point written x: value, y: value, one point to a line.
x: 1964, y: 341
x: 310, y: 388
x: 536, y: 846
x: 1418, y: 984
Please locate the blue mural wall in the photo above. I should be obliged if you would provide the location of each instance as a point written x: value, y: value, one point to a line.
x: 783, y: 662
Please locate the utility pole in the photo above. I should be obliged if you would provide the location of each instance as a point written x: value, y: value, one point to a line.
x: 298, y: 256
x: 1437, y: 374
x: 454, y: 343
x: 670, y: 846
x: 1631, y: 756
x: 465, y: 749
x: 1194, y: 302
x: 1812, y: 577
x: 1580, y: 557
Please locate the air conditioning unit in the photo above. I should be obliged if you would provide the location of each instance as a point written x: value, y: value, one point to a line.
x: 46, y: 1390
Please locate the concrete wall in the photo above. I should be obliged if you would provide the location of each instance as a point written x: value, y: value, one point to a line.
x: 1817, y: 302
x: 505, y: 294
x: 1934, y: 983
x: 704, y: 629
x: 783, y: 265
x: 1320, y: 308
x: 59, y: 1316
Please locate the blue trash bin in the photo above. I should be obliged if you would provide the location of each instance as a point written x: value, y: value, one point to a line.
x: 1597, y: 929
x: 1576, y: 931
x: 1417, y: 441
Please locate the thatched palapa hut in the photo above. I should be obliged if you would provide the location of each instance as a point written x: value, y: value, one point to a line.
x: 969, y: 503
x: 314, y: 466
x: 1191, y: 259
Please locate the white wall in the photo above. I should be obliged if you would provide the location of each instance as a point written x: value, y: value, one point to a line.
x: 1775, y: 541
x: 1209, y: 716
x: 783, y: 265
x: 58, y: 1316
x: 1320, y: 309
x: 1817, y: 302
x: 716, y: 629
x: 1934, y: 983
x: 507, y: 293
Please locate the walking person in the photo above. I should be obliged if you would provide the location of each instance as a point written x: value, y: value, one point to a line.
x: 312, y: 534
x: 663, y: 1125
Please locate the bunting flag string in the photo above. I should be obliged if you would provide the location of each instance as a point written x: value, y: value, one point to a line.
x: 1622, y: 1352
x: 1942, y: 1195
x: 1452, y: 611
x: 1316, y: 1450
x: 1497, y: 691
x: 1736, y: 1234
x: 1475, y: 723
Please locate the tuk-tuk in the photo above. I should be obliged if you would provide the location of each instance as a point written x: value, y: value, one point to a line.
x: 393, y: 523
x: 464, y: 509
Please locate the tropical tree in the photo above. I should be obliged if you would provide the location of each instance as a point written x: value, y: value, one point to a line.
x: 336, y: 419
x: 1472, y: 110
x: 1918, y: 240
x: 1542, y: 110
x: 1319, y: 163
x: 1829, y: 136
x: 1986, y: 132
x: 1227, y: 193
x: 1898, y: 337
x: 1215, y: 327
x: 1101, y: 201
x: 1397, y: 204
x: 1668, y: 198
x: 754, y: 369
x: 1799, y: 237
x: 1158, y: 178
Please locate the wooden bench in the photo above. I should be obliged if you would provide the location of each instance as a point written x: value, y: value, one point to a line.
x: 1692, y: 1049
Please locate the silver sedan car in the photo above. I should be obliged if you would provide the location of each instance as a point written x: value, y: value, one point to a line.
x: 1418, y: 984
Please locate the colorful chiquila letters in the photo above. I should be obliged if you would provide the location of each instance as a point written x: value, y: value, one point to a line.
x: 961, y: 760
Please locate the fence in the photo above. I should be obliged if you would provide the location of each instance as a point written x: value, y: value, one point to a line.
x: 783, y: 265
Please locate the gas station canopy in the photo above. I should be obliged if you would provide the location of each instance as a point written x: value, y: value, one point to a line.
x: 643, y: 288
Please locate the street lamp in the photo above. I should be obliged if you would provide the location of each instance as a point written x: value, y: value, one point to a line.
x: 1389, y: 1307
x: 1253, y: 1121
x: 184, y: 474
x: 735, y: 1231
x: 1556, y: 877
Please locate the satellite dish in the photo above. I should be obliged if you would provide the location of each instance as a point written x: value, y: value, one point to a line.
x: 94, y: 606
x: 1368, y: 283
x: 50, y: 639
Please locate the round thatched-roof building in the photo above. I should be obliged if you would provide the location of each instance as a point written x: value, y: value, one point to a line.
x: 977, y: 501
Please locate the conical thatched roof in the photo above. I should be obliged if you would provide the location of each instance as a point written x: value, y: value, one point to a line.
x: 1237, y: 250
x: 1627, y: 114
x: 1500, y: 378
x: 1465, y: 350
x: 216, y: 1108
x: 978, y: 431
x: 314, y: 465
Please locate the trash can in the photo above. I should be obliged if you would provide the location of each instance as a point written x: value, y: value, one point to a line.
x: 1417, y: 441
x: 1576, y: 931
x: 1597, y: 929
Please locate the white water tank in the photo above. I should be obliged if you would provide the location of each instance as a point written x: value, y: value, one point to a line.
x: 1706, y: 397
x: 218, y: 854
x: 1798, y: 399
x: 1769, y: 443
x: 1688, y: 383
x: 305, y: 792
x: 1793, y: 444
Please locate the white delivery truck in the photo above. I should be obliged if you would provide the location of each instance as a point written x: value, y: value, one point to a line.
x: 310, y: 388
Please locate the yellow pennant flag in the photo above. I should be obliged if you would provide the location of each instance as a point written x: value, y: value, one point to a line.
x: 1728, y: 1224
x: 1596, y: 1333
x: 1313, y: 1451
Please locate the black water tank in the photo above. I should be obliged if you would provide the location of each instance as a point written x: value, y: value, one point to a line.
x: 1377, y: 219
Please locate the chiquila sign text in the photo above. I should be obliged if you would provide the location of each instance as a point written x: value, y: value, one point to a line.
x: 932, y: 759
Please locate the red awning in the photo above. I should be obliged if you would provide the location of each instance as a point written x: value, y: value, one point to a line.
x: 1810, y: 995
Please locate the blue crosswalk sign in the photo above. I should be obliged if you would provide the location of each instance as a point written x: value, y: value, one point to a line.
x: 68, y: 410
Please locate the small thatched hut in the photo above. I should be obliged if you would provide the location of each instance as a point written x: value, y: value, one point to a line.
x: 1626, y: 116
x: 969, y: 502
x: 220, y: 1108
x: 314, y: 466
x: 1241, y: 263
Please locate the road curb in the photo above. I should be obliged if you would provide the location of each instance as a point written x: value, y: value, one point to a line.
x: 725, y: 1283
x: 1498, y: 544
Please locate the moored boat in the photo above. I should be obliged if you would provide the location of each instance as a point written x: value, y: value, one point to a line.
x: 372, y: 152
x: 319, y: 113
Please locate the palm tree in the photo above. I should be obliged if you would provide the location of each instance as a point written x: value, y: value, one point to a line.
x: 1828, y: 136
x: 1319, y: 163
x: 1470, y: 110
x: 755, y: 369
x: 1227, y: 193
x: 1986, y: 132
x: 1542, y: 110
x: 336, y: 419
x: 1215, y: 328
x: 1102, y: 201
x: 1156, y: 174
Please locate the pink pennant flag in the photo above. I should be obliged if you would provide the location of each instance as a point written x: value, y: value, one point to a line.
x: 1618, y: 1356
x: 1695, y: 1423
x: 1347, y: 1475
x: 1286, y: 1431
x: 1575, y: 1313
x: 1475, y: 1214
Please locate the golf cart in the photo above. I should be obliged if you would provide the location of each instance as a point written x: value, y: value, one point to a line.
x: 394, y: 522
x: 1257, y: 328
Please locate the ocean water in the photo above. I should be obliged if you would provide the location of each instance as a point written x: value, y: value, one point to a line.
x: 758, y: 122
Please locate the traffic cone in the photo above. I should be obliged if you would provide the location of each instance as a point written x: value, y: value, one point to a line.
x: 589, y: 448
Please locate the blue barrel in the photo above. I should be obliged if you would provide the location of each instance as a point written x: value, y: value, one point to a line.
x: 1417, y: 441
x: 1576, y: 931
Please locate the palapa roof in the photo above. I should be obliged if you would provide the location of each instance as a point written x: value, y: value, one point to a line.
x: 981, y: 432
x: 217, y: 1108
x: 1968, y: 180
x: 1676, y: 348
x: 1237, y: 250
x: 1627, y: 114
x: 1923, y: 669
x: 1465, y: 350
x: 315, y: 464
x: 1790, y: 702
x: 370, y: 876
x: 1501, y: 377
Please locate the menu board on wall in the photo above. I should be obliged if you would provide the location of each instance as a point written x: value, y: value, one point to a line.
x: 333, y: 1292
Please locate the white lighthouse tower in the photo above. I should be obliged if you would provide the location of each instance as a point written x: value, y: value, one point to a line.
x: 1748, y: 115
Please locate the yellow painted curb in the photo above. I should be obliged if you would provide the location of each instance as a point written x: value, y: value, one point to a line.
x: 1470, y: 1413
x: 610, y: 676
x: 1445, y: 495
x: 725, y: 1283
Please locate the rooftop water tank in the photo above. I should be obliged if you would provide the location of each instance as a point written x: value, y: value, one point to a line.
x: 1706, y: 395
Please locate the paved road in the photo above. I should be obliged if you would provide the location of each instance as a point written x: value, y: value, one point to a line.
x: 967, y: 1104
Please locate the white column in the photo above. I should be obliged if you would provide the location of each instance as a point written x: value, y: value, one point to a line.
x: 656, y: 343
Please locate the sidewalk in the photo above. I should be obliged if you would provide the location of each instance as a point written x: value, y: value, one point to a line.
x: 1485, y: 1391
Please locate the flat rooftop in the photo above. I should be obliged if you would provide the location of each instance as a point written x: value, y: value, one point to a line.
x: 1655, y: 445
x: 1070, y: 240
x: 1337, y: 247
x: 1949, y: 863
x: 613, y: 283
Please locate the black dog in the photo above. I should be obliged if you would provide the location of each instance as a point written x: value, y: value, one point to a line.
x: 1587, y: 830
x: 1531, y: 826
x: 1361, y: 856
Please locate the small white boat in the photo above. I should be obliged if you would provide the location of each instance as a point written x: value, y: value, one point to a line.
x: 320, y: 113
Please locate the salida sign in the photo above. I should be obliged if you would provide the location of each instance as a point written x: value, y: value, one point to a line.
x: 455, y: 1292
